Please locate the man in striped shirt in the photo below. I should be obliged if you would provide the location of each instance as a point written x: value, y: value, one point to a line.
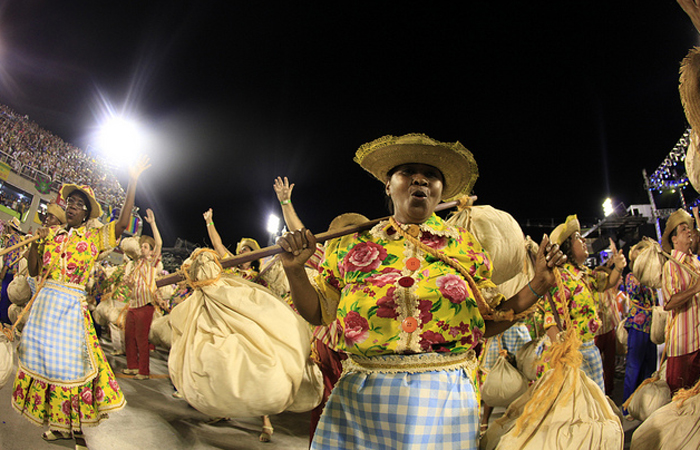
x: 681, y: 289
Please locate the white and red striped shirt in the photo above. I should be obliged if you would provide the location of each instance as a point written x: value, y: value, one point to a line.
x: 684, y: 335
x: 142, y: 281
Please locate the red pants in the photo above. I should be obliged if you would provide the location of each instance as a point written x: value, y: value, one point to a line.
x: 683, y: 371
x: 606, y: 343
x: 136, y: 328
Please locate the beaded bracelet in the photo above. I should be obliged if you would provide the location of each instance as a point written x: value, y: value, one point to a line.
x: 533, y: 291
x: 285, y: 202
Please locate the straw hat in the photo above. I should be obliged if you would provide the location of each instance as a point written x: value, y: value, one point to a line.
x: 56, y: 210
x: 676, y: 218
x: 456, y: 163
x: 689, y: 87
x: 346, y: 220
x: 68, y: 189
x: 247, y: 242
x: 15, y: 223
x: 564, y: 230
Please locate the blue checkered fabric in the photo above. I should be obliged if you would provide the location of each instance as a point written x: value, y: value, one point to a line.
x: 512, y: 340
x: 592, y: 363
x: 53, y: 343
x: 403, y: 411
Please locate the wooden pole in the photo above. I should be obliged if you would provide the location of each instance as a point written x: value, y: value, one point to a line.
x: 19, y: 245
x: 276, y: 249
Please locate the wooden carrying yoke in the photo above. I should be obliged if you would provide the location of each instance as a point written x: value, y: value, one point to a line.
x: 20, y: 244
x: 276, y: 249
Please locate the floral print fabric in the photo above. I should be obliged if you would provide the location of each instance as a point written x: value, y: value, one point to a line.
x: 392, y: 297
x: 642, y: 300
x: 66, y: 409
x: 578, y: 295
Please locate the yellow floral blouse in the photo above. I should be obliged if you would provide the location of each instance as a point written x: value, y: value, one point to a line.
x: 392, y: 297
x: 69, y: 256
x: 578, y: 295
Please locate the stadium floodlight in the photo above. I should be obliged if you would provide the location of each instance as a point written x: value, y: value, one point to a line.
x: 608, y: 207
x: 273, y: 224
x: 122, y: 139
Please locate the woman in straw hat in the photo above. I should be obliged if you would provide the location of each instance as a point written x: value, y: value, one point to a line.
x: 413, y: 296
x: 578, y: 294
x: 64, y: 380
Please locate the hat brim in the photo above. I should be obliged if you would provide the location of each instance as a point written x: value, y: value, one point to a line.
x: 689, y: 87
x: 57, y: 211
x: 453, y: 160
x: 95, y: 208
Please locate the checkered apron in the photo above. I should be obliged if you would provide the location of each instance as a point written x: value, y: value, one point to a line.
x: 53, y: 345
x: 592, y: 363
x: 395, y: 405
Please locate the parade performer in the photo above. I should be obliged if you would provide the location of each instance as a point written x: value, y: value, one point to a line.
x: 579, y: 285
x: 605, y: 338
x: 142, y: 283
x: 64, y: 380
x: 413, y: 296
x: 55, y: 215
x: 681, y: 291
x: 13, y: 234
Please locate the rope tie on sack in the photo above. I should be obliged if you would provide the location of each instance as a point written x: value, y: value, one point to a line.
x: 185, y: 269
x: 487, y: 312
x: 684, y: 394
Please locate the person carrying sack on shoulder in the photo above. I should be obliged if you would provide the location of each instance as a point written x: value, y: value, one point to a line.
x: 681, y: 288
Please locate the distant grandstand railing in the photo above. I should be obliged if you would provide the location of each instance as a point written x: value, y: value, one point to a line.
x: 28, y: 172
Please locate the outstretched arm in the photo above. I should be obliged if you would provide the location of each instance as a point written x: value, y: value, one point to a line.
x: 135, y: 172
x: 214, y: 237
x: 284, y: 194
x: 151, y: 219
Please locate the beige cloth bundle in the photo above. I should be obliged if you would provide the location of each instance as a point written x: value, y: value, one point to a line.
x: 108, y: 311
x: 13, y: 313
x: 692, y: 161
x: 161, y: 332
x: 526, y: 358
x: 650, y: 395
x: 503, y: 383
x: 237, y: 350
x: 659, y: 318
x: 19, y: 290
x: 499, y: 233
x: 7, y: 360
x: 649, y: 263
x: 675, y: 426
x: 621, y: 335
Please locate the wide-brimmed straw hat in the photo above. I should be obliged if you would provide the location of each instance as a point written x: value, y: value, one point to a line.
x: 676, y: 218
x: 68, y: 189
x: 15, y: 224
x: 346, y: 220
x: 562, y: 232
x: 456, y: 163
x: 689, y: 87
x: 56, y: 210
x: 247, y: 242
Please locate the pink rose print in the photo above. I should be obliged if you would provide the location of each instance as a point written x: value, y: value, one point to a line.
x: 639, y: 318
x: 428, y: 338
x: 453, y: 288
x: 93, y: 249
x: 47, y: 258
x: 41, y: 384
x: 71, y: 267
x: 433, y: 241
x: 114, y: 385
x: 99, y: 394
x: 364, y: 257
x: 75, y: 403
x: 86, y: 395
x: 425, y: 315
x: 20, y: 375
x: 356, y: 329
x: 81, y: 247
x: 18, y: 394
x: 65, y: 408
x: 37, y: 400
x: 60, y: 238
x: 387, y: 276
x: 387, y: 305
x: 593, y: 325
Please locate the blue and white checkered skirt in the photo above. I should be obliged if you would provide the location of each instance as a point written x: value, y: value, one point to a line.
x: 401, y: 410
x: 592, y: 363
x: 512, y: 340
x: 53, y: 345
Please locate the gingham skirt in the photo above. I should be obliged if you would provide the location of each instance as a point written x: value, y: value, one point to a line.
x: 512, y: 340
x: 376, y: 410
x: 592, y: 363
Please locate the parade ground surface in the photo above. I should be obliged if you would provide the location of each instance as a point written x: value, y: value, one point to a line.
x: 154, y: 419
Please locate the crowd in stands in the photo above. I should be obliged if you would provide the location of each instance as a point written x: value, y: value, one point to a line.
x: 28, y: 144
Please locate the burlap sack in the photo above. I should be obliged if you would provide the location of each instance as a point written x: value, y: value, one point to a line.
x: 526, y: 358
x: 13, y: 313
x: 675, y: 426
x: 19, y: 290
x: 499, y: 233
x: 648, y: 265
x: 648, y: 398
x: 237, y: 349
x: 621, y: 335
x: 117, y: 337
x: 7, y: 360
x: 503, y: 384
x: 310, y: 392
x: 579, y: 417
x: 161, y: 332
x: 275, y: 278
x: 107, y: 312
x: 659, y: 317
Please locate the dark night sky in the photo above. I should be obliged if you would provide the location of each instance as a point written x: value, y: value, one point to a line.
x: 562, y: 103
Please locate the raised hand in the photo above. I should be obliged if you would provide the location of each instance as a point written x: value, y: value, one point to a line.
x: 283, y: 189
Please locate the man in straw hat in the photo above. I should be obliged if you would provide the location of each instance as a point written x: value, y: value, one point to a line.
x: 414, y: 297
x: 680, y: 287
x: 578, y: 295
